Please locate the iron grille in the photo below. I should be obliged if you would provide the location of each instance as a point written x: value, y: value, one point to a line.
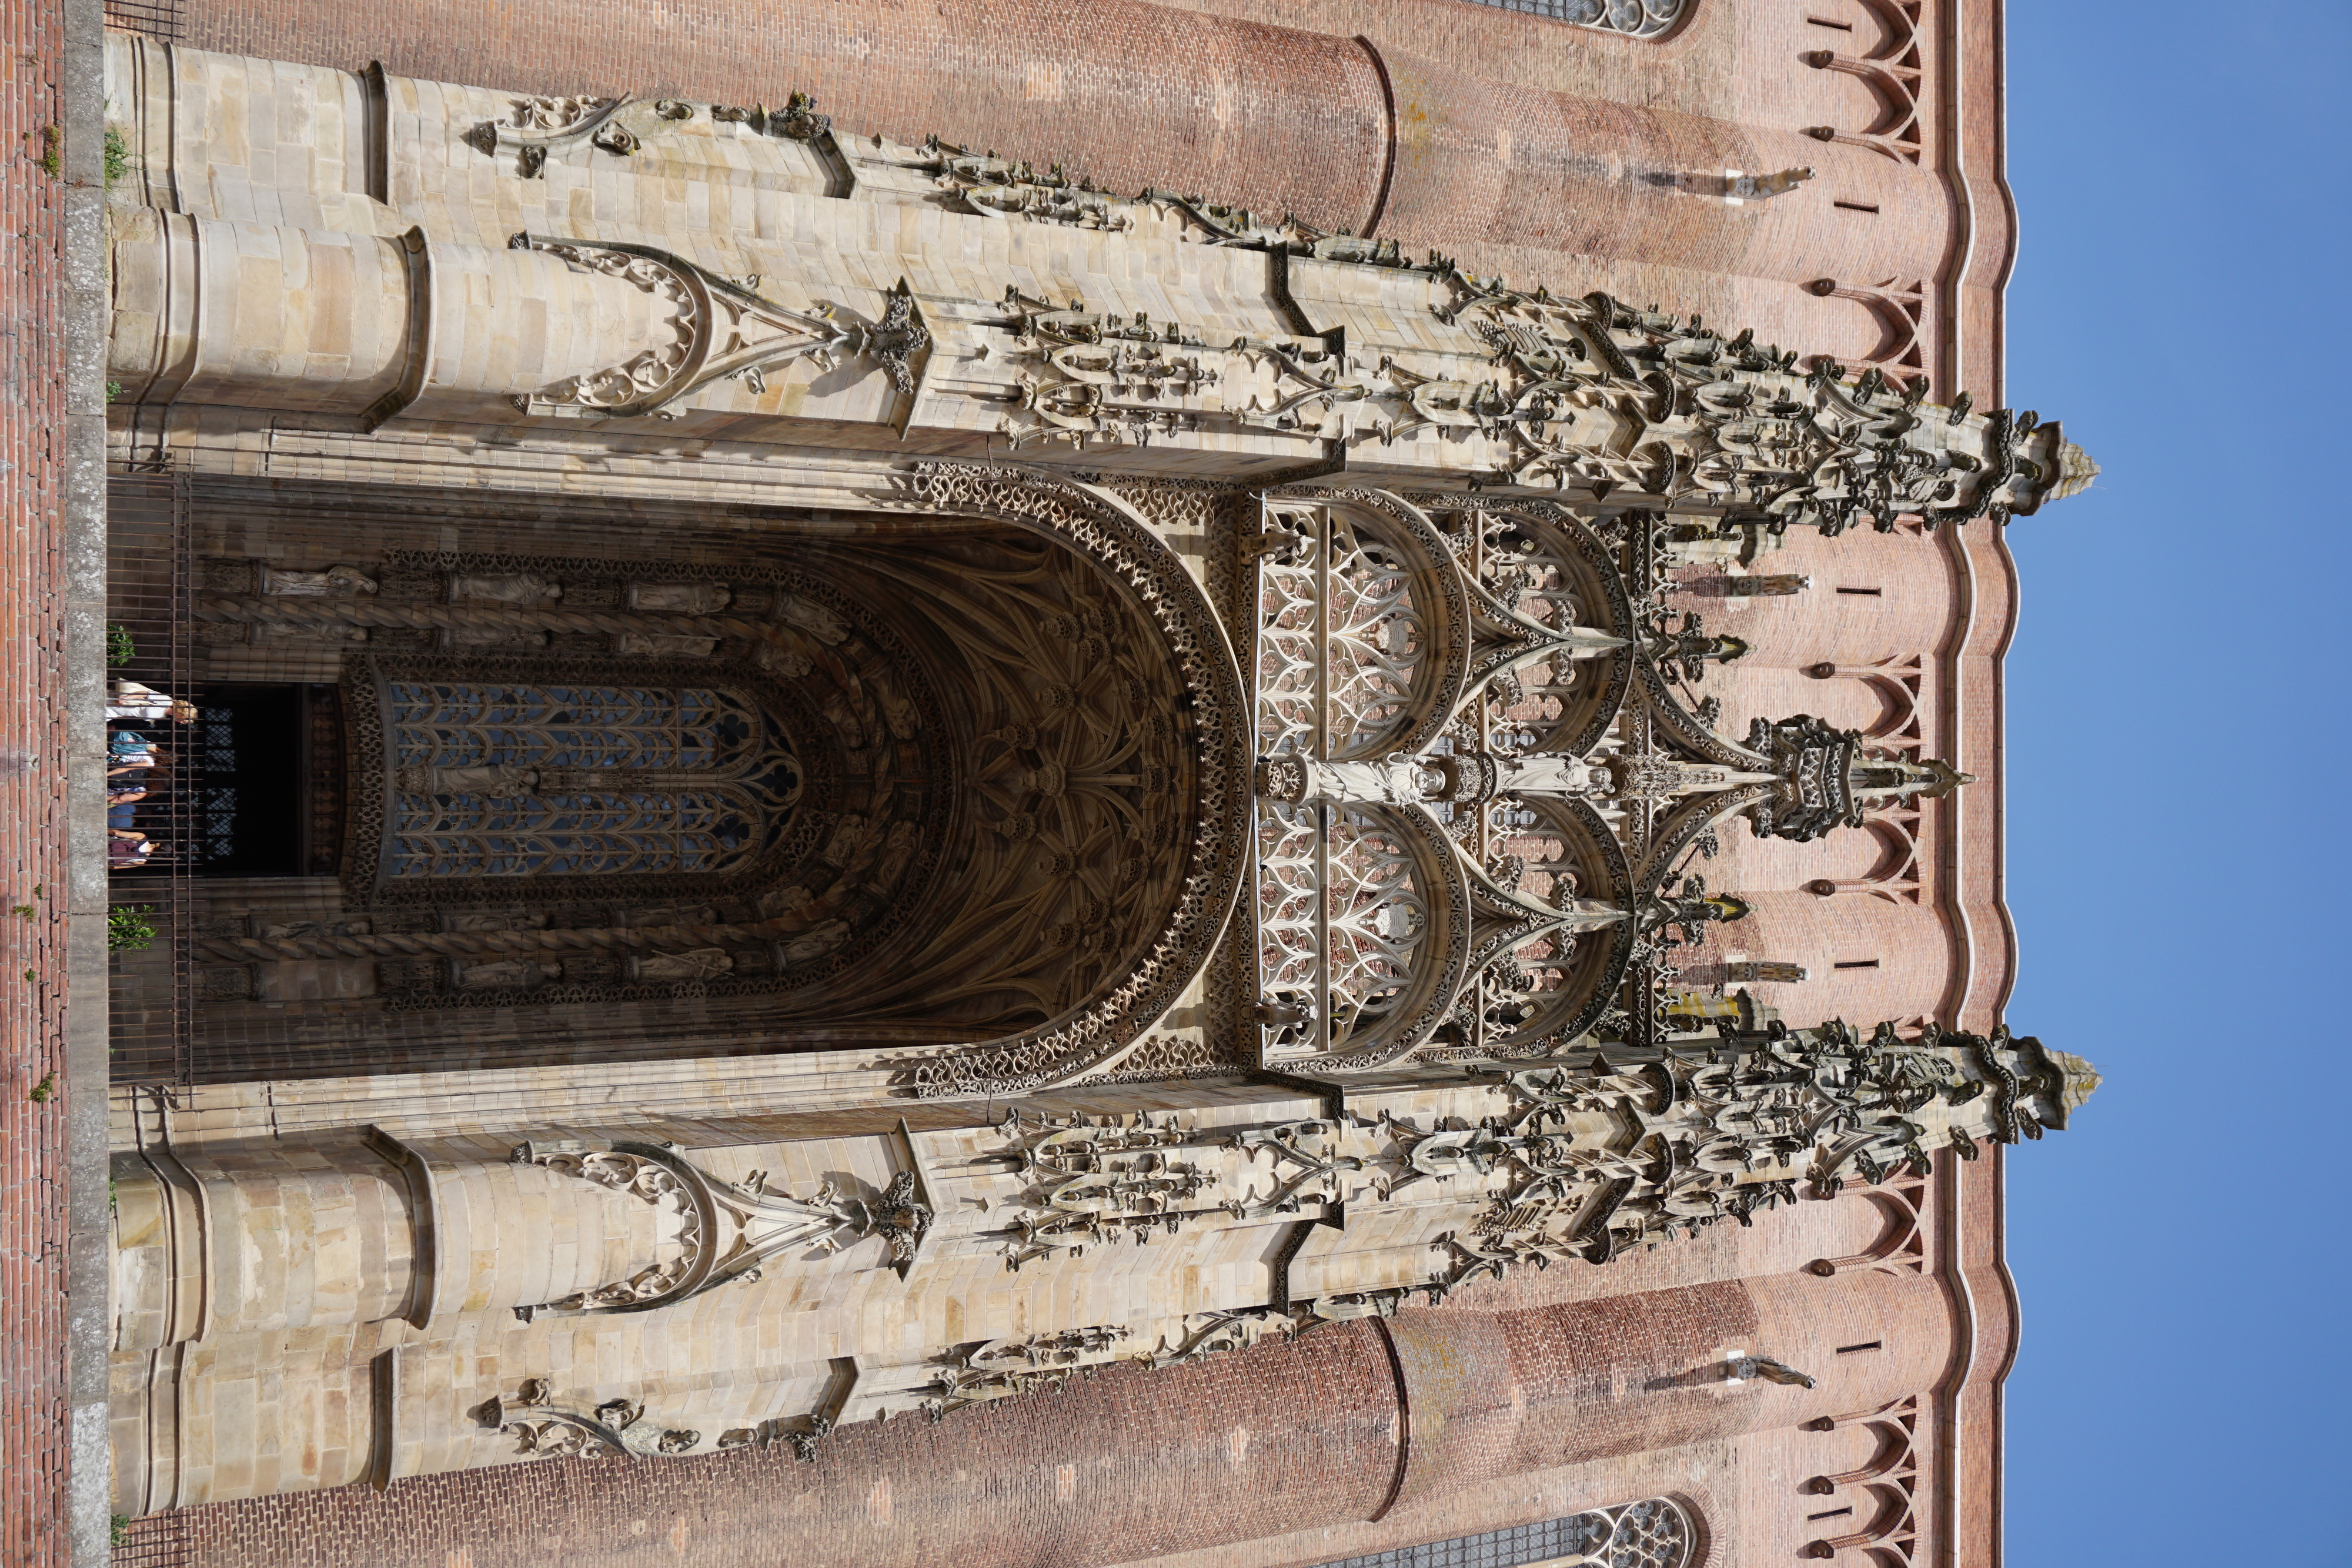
x: 157, y: 18
x: 150, y: 588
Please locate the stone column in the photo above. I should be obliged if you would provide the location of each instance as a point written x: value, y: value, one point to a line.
x: 363, y: 326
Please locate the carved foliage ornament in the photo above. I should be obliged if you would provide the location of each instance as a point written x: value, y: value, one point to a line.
x: 1595, y: 396
x: 718, y: 1231
x: 545, y: 1428
x: 717, y: 328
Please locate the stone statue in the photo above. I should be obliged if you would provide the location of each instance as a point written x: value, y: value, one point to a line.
x: 812, y: 945
x: 1740, y: 1368
x: 1681, y: 918
x: 492, y: 637
x: 509, y: 974
x: 335, y: 580
x: 838, y: 713
x: 506, y: 588
x: 897, y: 849
x: 493, y: 920
x: 784, y: 901
x: 789, y: 662
x: 1766, y: 585
x: 849, y: 836
x: 275, y: 630
x: 285, y: 930
x: 1777, y: 970
x: 698, y: 964
x: 667, y: 914
x: 679, y: 598
x: 812, y: 618
x: 897, y: 711
x: 648, y: 643
x: 1764, y: 188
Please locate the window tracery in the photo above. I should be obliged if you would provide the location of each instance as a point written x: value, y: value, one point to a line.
x: 516, y: 778
x: 1656, y: 1533
x: 1636, y: 18
x: 1342, y: 639
x: 1342, y: 920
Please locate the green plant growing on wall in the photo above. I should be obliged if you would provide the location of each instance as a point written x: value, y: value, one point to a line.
x: 43, y: 1090
x: 53, y: 139
x: 128, y: 927
x: 119, y: 648
x: 117, y: 155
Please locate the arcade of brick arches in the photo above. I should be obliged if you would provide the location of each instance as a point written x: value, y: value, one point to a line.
x: 1067, y: 785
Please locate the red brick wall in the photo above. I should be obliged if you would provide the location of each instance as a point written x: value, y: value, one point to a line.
x: 1437, y: 130
x: 32, y: 795
x: 1132, y: 94
x: 1283, y: 1438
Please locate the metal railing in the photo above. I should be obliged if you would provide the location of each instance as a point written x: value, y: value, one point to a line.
x: 157, y: 18
x: 158, y: 1541
x: 150, y: 625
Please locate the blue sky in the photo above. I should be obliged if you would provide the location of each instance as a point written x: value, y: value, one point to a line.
x: 2177, y: 761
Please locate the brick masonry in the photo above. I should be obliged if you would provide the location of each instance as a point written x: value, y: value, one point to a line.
x: 1525, y: 148
x: 33, y: 896
x: 1583, y: 1387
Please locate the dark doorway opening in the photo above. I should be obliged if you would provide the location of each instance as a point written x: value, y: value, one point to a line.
x: 267, y: 764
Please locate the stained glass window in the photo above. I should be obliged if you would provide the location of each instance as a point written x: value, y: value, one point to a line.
x: 564, y: 780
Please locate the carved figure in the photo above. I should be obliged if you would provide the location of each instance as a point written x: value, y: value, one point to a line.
x: 812, y: 945
x: 849, y: 836
x: 492, y: 637
x: 897, y: 849
x: 335, y: 580
x: 697, y: 964
x: 1682, y: 918
x: 1743, y: 1367
x: 779, y: 660
x: 503, y: 587
x: 812, y: 618
x: 1766, y: 585
x: 278, y: 631
x: 662, y: 644
x: 784, y: 901
x: 493, y: 920
x: 899, y: 1219
x: 844, y: 721
x: 897, y: 711
x: 517, y: 974
x: 290, y: 930
x: 679, y: 598
x: 667, y: 915
x: 1761, y: 970
x: 1764, y: 188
